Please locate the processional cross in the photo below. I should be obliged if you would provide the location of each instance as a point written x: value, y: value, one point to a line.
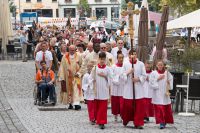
x: 130, y: 13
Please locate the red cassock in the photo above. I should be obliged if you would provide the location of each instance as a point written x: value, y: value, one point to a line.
x: 149, y: 108
x: 133, y: 111
x: 117, y: 105
x: 91, y: 109
x: 101, y: 111
x: 163, y: 114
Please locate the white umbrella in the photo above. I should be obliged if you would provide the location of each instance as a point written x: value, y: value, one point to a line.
x: 105, y: 24
x: 5, y: 22
x: 189, y: 20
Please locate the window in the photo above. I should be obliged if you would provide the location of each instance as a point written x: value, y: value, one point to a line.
x: 41, y: 12
x: 39, y: 0
x: 101, y: 12
x: 57, y: 13
x: 115, y: 12
x: 98, y: 0
x: 28, y: 0
x: 86, y: 13
x: 68, y: 1
x: 54, y: 0
x: 70, y: 12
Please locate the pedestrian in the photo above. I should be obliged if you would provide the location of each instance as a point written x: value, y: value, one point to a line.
x: 120, y: 46
x: 162, y: 104
x: 43, y: 55
x: 69, y: 67
x: 133, y: 105
x: 24, y: 43
x: 117, y: 87
x: 149, y: 110
x: 101, y: 75
x: 87, y: 86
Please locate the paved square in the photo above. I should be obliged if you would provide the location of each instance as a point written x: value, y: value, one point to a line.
x: 18, y: 114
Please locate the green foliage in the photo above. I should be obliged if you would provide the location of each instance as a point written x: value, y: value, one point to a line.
x: 190, y: 55
x: 155, y: 5
x: 83, y: 5
x: 123, y: 5
x: 12, y: 6
x: 182, y: 6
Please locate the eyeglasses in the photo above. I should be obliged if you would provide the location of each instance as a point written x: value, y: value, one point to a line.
x: 103, y: 47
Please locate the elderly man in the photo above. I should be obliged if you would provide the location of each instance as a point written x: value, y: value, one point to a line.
x: 69, y: 66
x: 103, y: 48
x: 88, y: 50
x: 91, y: 58
x: 120, y: 47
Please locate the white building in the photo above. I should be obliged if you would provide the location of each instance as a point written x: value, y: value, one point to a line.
x: 44, y: 8
x: 99, y: 9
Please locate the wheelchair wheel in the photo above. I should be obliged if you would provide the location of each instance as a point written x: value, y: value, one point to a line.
x: 35, y: 98
x: 55, y: 99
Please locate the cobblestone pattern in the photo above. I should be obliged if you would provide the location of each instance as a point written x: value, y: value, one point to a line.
x: 9, y: 122
x: 16, y: 79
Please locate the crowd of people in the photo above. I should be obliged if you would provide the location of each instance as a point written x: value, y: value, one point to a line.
x: 97, y: 68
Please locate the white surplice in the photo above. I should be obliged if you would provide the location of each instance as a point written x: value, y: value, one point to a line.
x: 87, y: 86
x: 102, y: 84
x: 139, y: 72
x: 118, y: 83
x: 147, y: 88
x: 159, y: 87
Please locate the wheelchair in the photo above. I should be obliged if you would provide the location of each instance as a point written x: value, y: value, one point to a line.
x: 37, y: 96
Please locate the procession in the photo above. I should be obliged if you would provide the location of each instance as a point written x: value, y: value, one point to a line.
x: 119, y: 72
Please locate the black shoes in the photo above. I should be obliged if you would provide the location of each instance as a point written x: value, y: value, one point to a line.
x: 138, y: 127
x: 101, y: 126
x: 70, y: 106
x: 92, y: 122
x: 125, y: 123
x: 77, y: 107
x: 146, y: 119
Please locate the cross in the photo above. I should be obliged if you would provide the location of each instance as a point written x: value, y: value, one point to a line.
x: 130, y: 13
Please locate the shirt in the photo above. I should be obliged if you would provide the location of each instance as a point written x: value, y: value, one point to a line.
x: 45, y: 74
x: 48, y: 57
x: 23, y: 40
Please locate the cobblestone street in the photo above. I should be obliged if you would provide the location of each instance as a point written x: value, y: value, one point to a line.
x: 19, y: 114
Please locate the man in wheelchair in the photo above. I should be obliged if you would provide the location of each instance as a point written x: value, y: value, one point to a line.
x: 45, y: 81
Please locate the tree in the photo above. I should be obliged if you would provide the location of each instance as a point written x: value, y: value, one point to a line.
x: 154, y: 5
x: 83, y: 6
x: 182, y: 6
x: 123, y: 5
x: 12, y: 7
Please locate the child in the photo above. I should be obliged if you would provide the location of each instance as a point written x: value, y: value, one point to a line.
x: 87, y: 87
x: 134, y: 104
x: 101, y: 75
x: 149, y: 111
x: 117, y: 86
x: 162, y: 103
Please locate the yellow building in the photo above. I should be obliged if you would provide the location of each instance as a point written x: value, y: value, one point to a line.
x: 44, y: 8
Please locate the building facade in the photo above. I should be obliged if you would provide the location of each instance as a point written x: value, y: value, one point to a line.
x: 44, y: 8
x: 99, y: 9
